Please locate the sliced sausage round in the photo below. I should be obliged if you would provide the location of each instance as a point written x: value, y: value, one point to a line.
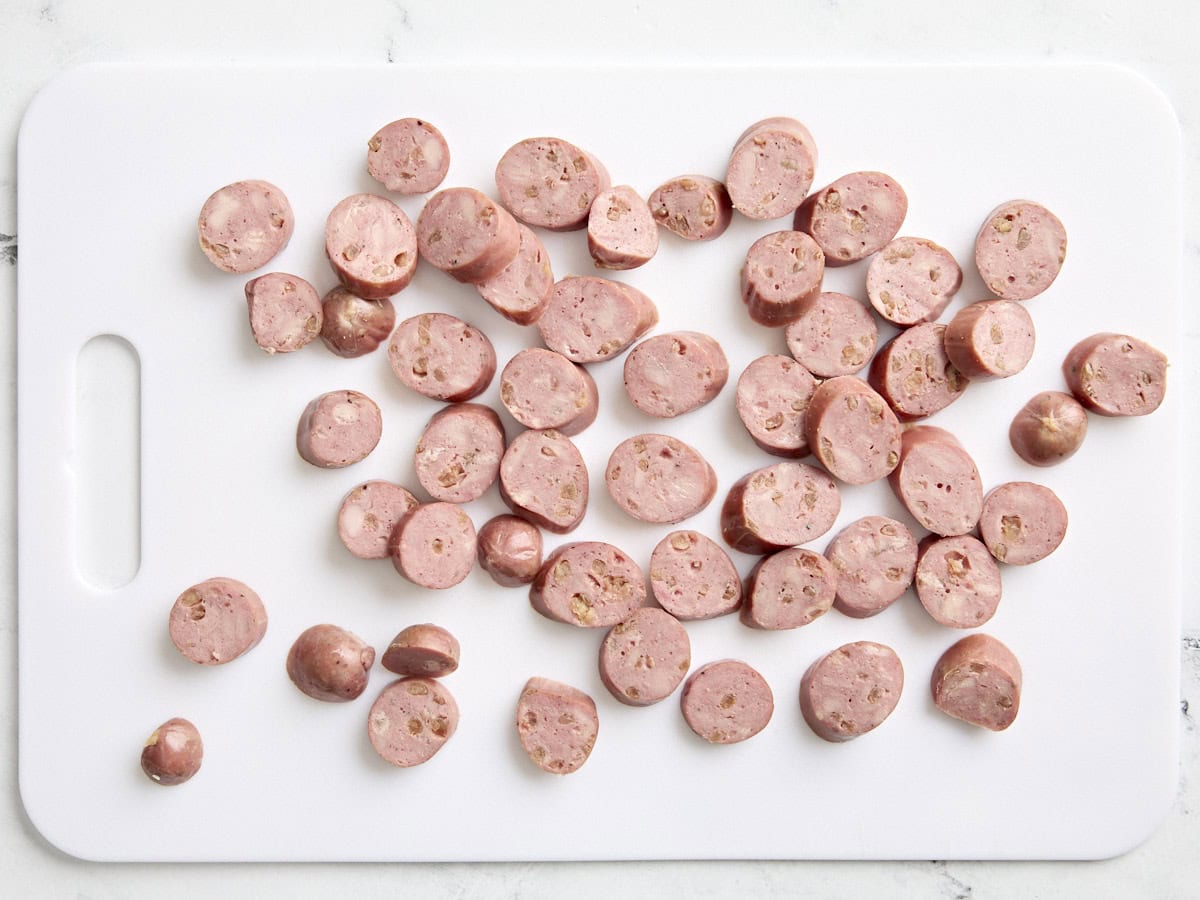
x: 371, y: 245
x: 851, y: 690
x: 1022, y: 522
x: 434, y: 545
x: 672, y: 374
x: 338, y: 429
x: 1048, y: 429
x: 329, y: 663
x: 467, y: 235
x: 990, y: 339
x: 912, y: 280
x: 781, y: 275
x: 590, y: 584
x: 693, y: 578
x: 353, y: 326
x: 244, y: 225
x: 852, y: 430
x: 442, y: 357
x: 521, y: 290
x: 543, y: 479
x: 937, y: 481
x: 726, y: 702
x: 771, y: 168
x: 875, y: 558
x: 550, y: 183
x: 1020, y: 249
x: 660, y: 479
x: 173, y: 752
x: 510, y: 550
x: 458, y: 454
x: 978, y: 680
x: 408, y: 156
x: 285, y: 312
x: 695, y: 207
x: 557, y: 725
x: 644, y: 658
x: 428, y: 650
x: 1116, y: 375
x: 589, y: 319
x: 857, y: 215
x: 216, y: 621
x: 411, y: 720
x: 544, y: 389
x: 621, y: 232
x: 779, y: 506
x: 789, y: 589
x: 773, y: 394
x: 368, y: 514
x: 834, y: 335
x: 958, y: 581
x: 914, y: 375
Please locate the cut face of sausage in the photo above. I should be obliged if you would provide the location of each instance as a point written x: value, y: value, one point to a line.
x: 467, y: 235
x: 958, y: 581
x: 244, y: 225
x: 338, y: 429
x: 875, y: 559
x: 434, y: 545
x: 590, y: 319
x: 1020, y: 249
x: 521, y: 290
x: 368, y: 514
x: 851, y: 691
x: 657, y: 478
x: 937, y: 481
x: 914, y: 375
x: 854, y: 217
x: 329, y: 663
x: 510, y: 550
x: 173, y: 752
x: 550, y: 183
x: 1022, y: 522
x: 458, y: 454
x: 353, y: 326
x: 789, y: 589
x: 693, y: 578
x: 695, y: 207
x: 544, y: 389
x: 990, y: 339
x: 771, y: 168
x: 428, y: 650
x: 442, y: 357
x: 371, y: 246
x: 978, y: 680
x: 216, y: 621
x: 1116, y: 375
x: 852, y: 430
x: 672, y: 374
x: 726, y: 702
x: 781, y: 275
x: 1048, y: 429
x: 543, y: 479
x: 773, y: 394
x: 779, y: 506
x: 285, y: 312
x: 557, y: 725
x: 411, y: 720
x: 912, y: 280
x: 644, y: 658
x: 590, y: 584
x: 834, y: 335
x: 408, y: 156
x: 621, y: 231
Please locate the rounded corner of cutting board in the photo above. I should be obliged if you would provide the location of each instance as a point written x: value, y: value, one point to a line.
x: 44, y: 812
x: 64, y: 83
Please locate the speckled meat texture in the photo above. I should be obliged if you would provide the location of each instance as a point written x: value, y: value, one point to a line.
x: 771, y: 168
x: 433, y: 546
x: 442, y: 357
x: 426, y: 649
x: 990, y: 339
x: 694, y: 207
x: 371, y: 245
x: 834, y: 335
x: 285, y: 312
x: 773, y: 394
x: 852, y: 430
x: 550, y: 183
x: 521, y: 290
x: 851, y: 691
x: 589, y: 319
x: 510, y: 550
x: 958, y: 581
x: 368, y: 514
x: 590, y: 584
x: 657, y: 478
x: 1048, y: 429
x: 331, y: 664
x: 244, y: 225
x: 855, y: 216
x: 1116, y: 375
x: 912, y: 280
x: 779, y: 506
x: 875, y: 558
x: 173, y: 752
x: 674, y: 373
x: 557, y: 725
x: 411, y: 720
x: 693, y: 578
x: 408, y: 156
x: 216, y: 621
x: 789, y: 589
x: 978, y: 680
x: 643, y: 659
x: 543, y: 478
x: 782, y: 274
x: 621, y: 232
x: 937, y: 481
x: 1022, y: 522
x: 544, y: 389
x: 458, y: 454
x: 338, y: 429
x: 726, y: 702
x: 353, y: 326
x: 1020, y: 249
x: 467, y: 235
x: 914, y: 375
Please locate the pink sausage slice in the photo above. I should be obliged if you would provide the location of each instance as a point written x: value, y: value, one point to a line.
x: 216, y: 621
x: 789, y: 589
x: 173, y: 753
x: 510, y: 550
x: 1116, y: 375
x: 875, y: 558
x: 914, y: 375
x: 442, y: 357
x: 434, y: 545
x: 693, y: 578
x: 543, y: 479
x: 589, y: 319
x: 771, y: 168
x: 694, y: 207
x: 1022, y: 522
x: 644, y: 658
x: 244, y: 225
x: 937, y: 481
x: 726, y: 702
x: 621, y: 232
x: 781, y: 276
x: 779, y: 506
x: 544, y: 389
x: 1048, y: 429
x: 285, y: 312
x: 338, y: 429
x: 353, y: 326
x: 368, y: 514
x: 467, y: 235
x: 978, y: 680
x: 852, y: 430
x: 857, y: 215
x: 990, y: 339
x: 521, y: 290
x: 331, y: 664
x: 657, y: 478
x: 958, y: 581
x: 557, y: 725
x: 550, y: 183
x: 672, y: 374
x: 1020, y: 249
x: 834, y: 335
x: 589, y: 584
x: 851, y: 690
x: 773, y: 394
x: 408, y: 156
x: 912, y: 280
x: 411, y: 720
x: 428, y: 650
x: 371, y: 245
x: 458, y: 454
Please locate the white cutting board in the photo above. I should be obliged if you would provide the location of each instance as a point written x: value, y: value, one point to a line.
x: 114, y: 165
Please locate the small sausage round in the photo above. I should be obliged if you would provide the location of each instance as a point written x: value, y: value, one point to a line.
x: 1048, y: 429
x: 216, y: 621
x: 771, y: 168
x: 458, y: 454
x: 338, y: 429
x: 510, y: 550
x: 543, y: 478
x: 353, y: 326
x: 557, y: 725
x: 781, y: 276
x: 590, y: 584
x: 173, y: 752
x: 789, y: 589
x: 285, y: 312
x: 621, y: 232
x: 912, y: 280
x: 852, y: 430
x: 411, y: 720
x: 408, y: 156
x: 428, y: 650
x: 1020, y: 249
x: 1022, y: 522
x: 434, y: 545
x: 694, y: 207
x: 442, y: 357
x: 368, y: 514
x: 978, y: 680
x: 371, y: 245
x: 834, y: 335
x: 855, y: 216
x: 914, y: 375
x: 329, y: 663
x: 693, y: 578
x: 779, y: 506
x: 851, y: 690
x: 958, y: 581
x: 875, y: 559
x: 660, y: 479
x: 521, y: 290
x: 644, y: 658
x: 244, y: 225
x: 550, y: 183
x: 590, y: 319
x: 990, y: 339
x: 1116, y: 375
x: 544, y: 389
x: 773, y: 394
x: 672, y: 374
x: 937, y: 481
x: 467, y: 235
x: 726, y: 702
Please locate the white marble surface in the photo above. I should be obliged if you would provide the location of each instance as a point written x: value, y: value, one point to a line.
x: 39, y: 38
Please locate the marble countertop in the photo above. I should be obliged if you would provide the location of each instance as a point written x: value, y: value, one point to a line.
x: 45, y: 37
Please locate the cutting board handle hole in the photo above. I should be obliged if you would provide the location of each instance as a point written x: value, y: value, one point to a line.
x: 108, y: 468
